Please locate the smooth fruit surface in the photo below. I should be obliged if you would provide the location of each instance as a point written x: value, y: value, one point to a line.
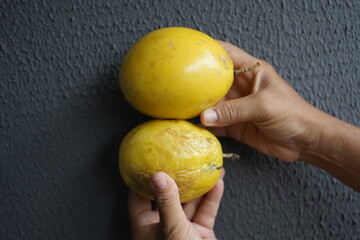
x: 192, y: 156
x: 175, y: 73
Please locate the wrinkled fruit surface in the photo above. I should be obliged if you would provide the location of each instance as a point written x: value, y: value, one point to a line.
x: 175, y: 73
x: 192, y: 156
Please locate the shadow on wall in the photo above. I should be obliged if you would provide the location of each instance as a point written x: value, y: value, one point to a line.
x: 118, y: 119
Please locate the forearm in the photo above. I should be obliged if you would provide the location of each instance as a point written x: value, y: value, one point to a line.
x: 338, y: 151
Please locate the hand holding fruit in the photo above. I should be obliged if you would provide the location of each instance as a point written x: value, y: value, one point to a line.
x: 173, y: 73
x: 260, y: 109
x: 191, y: 155
x: 193, y: 220
x: 263, y: 111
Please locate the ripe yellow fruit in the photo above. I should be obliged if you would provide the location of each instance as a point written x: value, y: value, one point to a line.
x: 192, y: 156
x: 175, y: 73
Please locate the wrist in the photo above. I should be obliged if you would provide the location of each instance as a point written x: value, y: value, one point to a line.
x: 337, y: 151
x: 321, y: 142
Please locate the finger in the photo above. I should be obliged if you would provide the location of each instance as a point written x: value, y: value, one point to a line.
x: 245, y: 81
x: 232, y: 111
x: 204, y: 232
x: 140, y: 210
x: 137, y: 205
x: 167, y: 200
x: 207, y: 211
x: 191, y: 207
x: 222, y: 174
x: 239, y: 57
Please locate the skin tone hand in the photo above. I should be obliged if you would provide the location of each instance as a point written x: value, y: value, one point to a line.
x: 259, y: 110
x: 264, y: 112
x: 171, y: 220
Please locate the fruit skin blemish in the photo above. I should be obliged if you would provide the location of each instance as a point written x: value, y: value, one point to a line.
x: 191, y: 155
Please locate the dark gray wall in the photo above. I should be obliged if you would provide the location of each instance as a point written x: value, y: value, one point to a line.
x: 63, y: 116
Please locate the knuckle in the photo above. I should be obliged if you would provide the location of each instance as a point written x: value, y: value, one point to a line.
x: 166, y: 200
x: 229, y: 112
x: 265, y: 65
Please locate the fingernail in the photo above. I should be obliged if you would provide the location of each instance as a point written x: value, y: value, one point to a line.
x: 210, y: 116
x: 158, y: 181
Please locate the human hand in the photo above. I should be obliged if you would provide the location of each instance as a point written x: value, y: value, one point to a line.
x: 171, y: 220
x: 264, y: 112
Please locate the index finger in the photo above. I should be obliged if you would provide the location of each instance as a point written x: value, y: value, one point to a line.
x: 137, y: 205
x: 206, y: 214
x: 239, y: 57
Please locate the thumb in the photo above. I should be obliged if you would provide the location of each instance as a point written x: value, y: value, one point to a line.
x: 168, y: 202
x: 232, y: 111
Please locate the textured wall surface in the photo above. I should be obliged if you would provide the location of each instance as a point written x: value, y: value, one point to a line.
x: 62, y: 114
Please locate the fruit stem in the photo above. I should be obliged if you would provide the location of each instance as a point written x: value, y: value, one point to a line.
x: 232, y: 156
x: 246, y: 69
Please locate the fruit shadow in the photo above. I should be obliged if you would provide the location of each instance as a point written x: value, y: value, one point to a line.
x: 119, y: 118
